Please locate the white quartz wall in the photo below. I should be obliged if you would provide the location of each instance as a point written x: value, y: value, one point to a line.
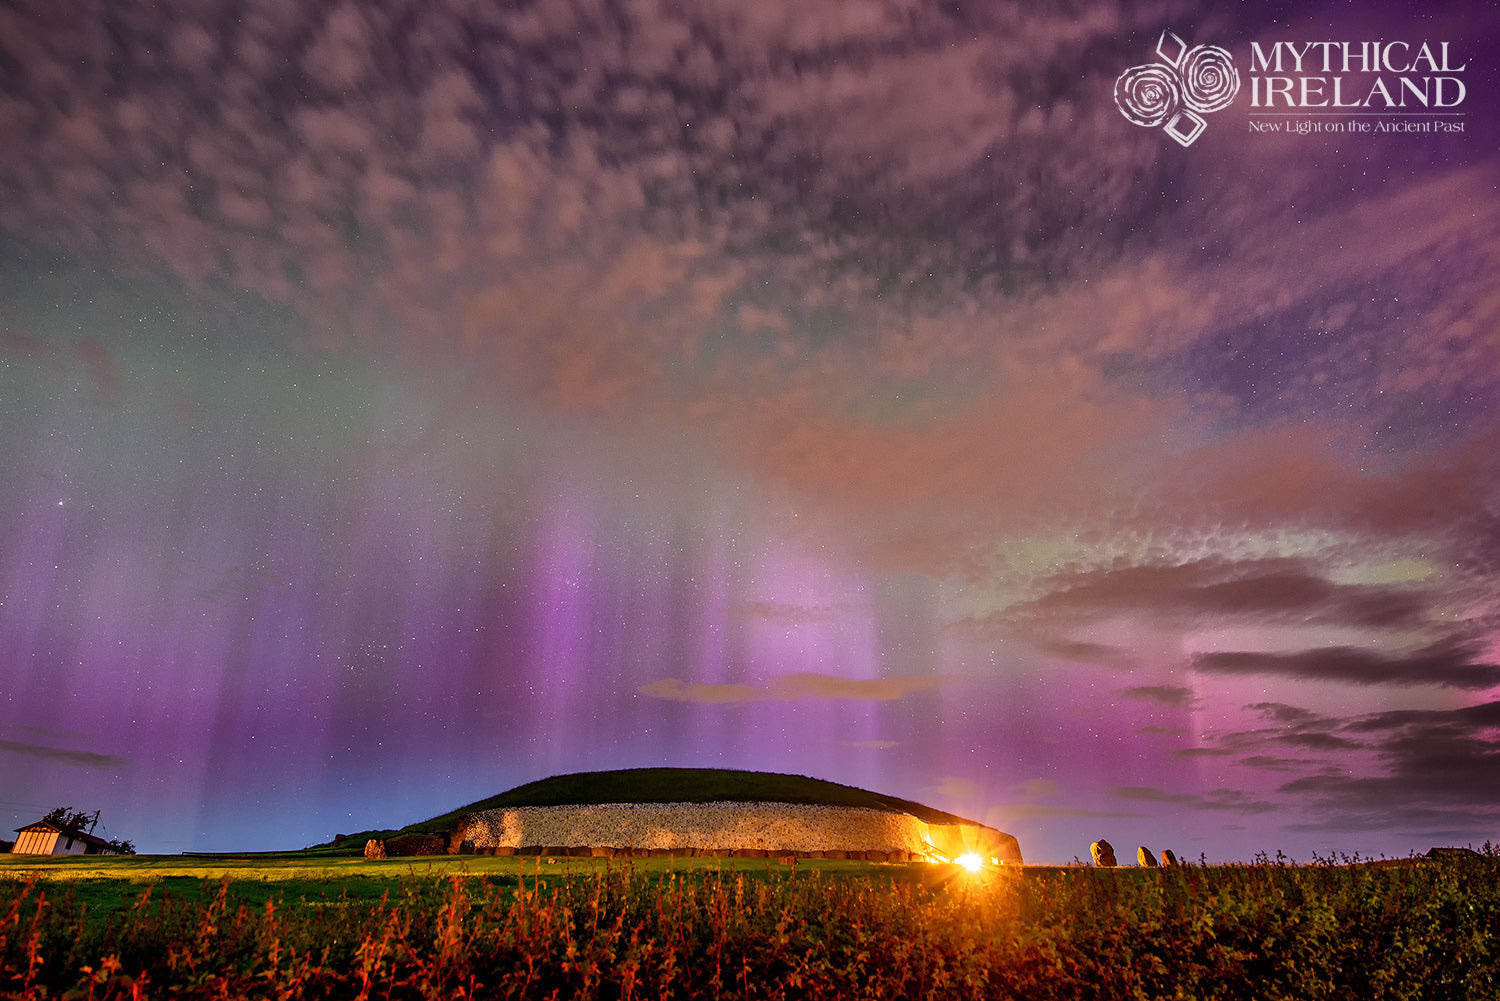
x: 771, y: 826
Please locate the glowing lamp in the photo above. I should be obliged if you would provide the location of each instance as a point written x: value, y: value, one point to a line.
x: 970, y: 861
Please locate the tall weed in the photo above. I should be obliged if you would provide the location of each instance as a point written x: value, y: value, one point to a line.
x: 1415, y: 929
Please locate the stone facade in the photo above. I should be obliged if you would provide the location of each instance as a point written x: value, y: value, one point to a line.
x: 781, y: 829
x: 417, y: 844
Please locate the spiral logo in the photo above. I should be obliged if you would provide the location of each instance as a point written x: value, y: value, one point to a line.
x: 1179, y: 89
x: 1209, y: 80
x: 1147, y: 95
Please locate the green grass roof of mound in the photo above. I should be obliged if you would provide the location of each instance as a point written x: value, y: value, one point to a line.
x: 690, y: 785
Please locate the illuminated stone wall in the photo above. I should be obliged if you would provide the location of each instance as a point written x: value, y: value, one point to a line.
x: 771, y: 827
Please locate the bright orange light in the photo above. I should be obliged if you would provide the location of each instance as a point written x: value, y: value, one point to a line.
x: 970, y: 861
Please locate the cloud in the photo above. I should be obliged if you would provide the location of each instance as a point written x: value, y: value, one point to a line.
x: 1230, y: 800
x: 1082, y: 651
x: 1028, y: 808
x: 1040, y: 788
x: 1291, y: 726
x: 17, y: 344
x: 822, y: 686
x: 1425, y: 772
x: 1174, y: 696
x: 955, y: 787
x: 102, y: 370
x: 1220, y: 590
x: 1275, y: 764
x: 1373, y: 628
x: 1153, y: 730
x: 1318, y: 741
x: 856, y: 277
x: 1293, y: 716
x: 83, y: 759
x: 340, y: 54
x: 790, y: 687
x: 926, y: 491
x: 677, y: 690
x: 1434, y: 827
x: 920, y: 114
x: 1476, y: 718
x: 1451, y: 664
x: 94, y: 359
x: 1433, y: 758
x: 999, y: 816
x: 1204, y: 752
x: 1474, y: 787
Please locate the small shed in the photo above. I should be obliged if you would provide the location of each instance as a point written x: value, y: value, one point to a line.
x: 44, y: 838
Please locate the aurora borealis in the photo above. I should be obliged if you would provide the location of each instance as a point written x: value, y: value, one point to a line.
x: 403, y: 401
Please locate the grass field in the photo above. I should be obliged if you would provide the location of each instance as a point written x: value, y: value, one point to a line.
x: 303, y: 927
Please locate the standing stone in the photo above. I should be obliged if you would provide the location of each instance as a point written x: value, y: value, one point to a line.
x: 1145, y: 858
x: 1103, y: 852
x: 374, y: 849
x: 1167, y: 858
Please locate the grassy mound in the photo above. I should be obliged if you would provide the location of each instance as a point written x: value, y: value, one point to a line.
x: 678, y: 785
x: 665, y: 785
x: 695, y: 785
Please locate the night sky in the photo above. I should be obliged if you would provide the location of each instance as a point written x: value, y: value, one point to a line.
x: 401, y: 401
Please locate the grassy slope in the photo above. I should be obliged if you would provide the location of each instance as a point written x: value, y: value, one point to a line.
x: 682, y: 785
x: 693, y: 785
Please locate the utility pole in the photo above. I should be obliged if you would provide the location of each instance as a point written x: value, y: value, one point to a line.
x: 94, y: 822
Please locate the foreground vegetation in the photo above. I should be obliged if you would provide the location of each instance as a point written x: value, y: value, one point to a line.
x: 505, y: 928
